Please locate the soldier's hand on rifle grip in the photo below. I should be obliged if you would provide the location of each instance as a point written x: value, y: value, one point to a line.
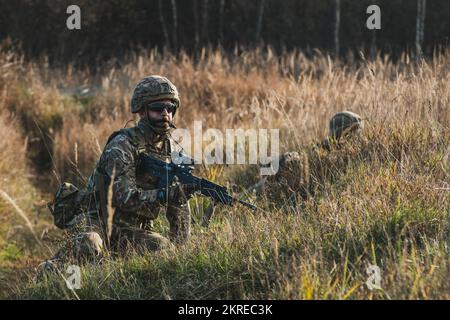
x: 177, y: 193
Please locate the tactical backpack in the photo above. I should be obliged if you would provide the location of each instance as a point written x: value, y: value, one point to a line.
x: 68, y: 203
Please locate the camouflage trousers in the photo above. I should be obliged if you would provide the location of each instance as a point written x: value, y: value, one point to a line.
x: 88, y: 241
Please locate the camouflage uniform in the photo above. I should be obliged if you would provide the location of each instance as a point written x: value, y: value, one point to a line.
x: 134, y: 193
x: 124, y: 219
x: 302, y: 172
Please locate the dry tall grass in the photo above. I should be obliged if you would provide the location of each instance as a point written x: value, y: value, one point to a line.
x: 21, y: 218
x: 392, y: 210
x: 257, y: 88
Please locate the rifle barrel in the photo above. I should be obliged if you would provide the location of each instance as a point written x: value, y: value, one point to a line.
x: 249, y: 205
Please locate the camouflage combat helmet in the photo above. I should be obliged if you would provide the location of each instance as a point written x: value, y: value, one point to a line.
x: 153, y: 88
x: 344, y: 122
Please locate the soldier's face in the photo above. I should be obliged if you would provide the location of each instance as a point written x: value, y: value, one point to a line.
x: 162, y: 117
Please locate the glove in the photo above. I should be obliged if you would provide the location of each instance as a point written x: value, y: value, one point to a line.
x: 178, y: 192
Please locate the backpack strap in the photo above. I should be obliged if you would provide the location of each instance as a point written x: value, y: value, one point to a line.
x: 135, y: 138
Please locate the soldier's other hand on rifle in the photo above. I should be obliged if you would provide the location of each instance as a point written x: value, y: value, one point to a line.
x: 178, y: 193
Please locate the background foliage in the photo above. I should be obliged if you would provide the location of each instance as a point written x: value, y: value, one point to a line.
x: 110, y: 28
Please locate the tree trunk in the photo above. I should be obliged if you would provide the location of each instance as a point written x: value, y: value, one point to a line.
x: 205, y: 22
x: 175, y: 25
x: 337, y: 27
x: 422, y: 24
x: 221, y: 9
x: 373, y: 45
x: 197, y: 32
x: 260, y: 20
x: 163, y: 24
x: 420, y: 27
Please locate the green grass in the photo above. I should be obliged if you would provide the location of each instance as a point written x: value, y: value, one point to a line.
x: 317, y: 251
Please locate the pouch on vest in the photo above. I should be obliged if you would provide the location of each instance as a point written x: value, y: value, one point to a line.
x: 66, y: 205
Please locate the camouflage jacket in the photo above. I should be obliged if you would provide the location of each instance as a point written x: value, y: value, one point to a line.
x: 305, y: 171
x: 134, y: 193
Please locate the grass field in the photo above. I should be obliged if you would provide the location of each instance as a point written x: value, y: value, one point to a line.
x: 390, y: 209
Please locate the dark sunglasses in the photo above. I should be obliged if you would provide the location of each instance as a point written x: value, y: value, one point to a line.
x: 160, y: 106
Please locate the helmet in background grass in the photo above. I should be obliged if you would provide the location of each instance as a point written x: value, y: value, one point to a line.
x: 153, y: 88
x: 345, y: 122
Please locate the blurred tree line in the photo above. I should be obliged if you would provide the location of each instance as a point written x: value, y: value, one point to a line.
x: 113, y: 27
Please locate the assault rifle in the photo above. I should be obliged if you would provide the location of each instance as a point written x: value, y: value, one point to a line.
x: 168, y: 173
